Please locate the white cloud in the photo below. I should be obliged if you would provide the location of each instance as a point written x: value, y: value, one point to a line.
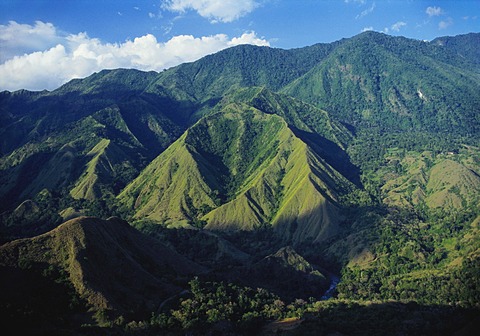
x: 214, y: 10
x: 434, y: 11
x: 17, y: 39
x: 366, y: 11
x: 38, y: 70
x: 77, y: 56
x: 357, y: 1
x: 397, y: 25
x: 367, y: 29
x: 445, y: 23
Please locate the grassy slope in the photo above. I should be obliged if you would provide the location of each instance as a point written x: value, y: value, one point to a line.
x: 171, y: 187
x: 294, y: 190
x: 103, y: 158
x: 250, y: 168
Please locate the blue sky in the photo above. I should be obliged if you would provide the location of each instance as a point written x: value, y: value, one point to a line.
x: 44, y: 43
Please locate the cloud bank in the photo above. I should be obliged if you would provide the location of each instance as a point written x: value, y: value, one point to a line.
x: 213, y: 10
x: 16, y: 38
x: 60, y: 57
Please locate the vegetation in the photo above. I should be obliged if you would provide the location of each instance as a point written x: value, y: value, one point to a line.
x: 241, y: 168
x: 416, y: 261
x: 212, y: 303
x: 211, y: 308
x: 255, y: 178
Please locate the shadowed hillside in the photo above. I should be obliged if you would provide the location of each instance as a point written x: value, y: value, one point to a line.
x: 111, y: 266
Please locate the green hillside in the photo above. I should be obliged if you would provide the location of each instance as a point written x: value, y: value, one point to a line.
x: 241, y: 168
x: 244, y: 66
x: 103, y: 158
x: 375, y: 80
x: 328, y: 137
x: 463, y: 45
x: 434, y: 181
x: 171, y: 187
x: 371, y: 81
x: 69, y: 156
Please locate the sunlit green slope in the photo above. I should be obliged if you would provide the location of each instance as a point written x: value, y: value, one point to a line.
x: 250, y: 168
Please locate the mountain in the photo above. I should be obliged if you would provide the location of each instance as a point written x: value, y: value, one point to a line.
x: 376, y: 80
x: 107, y: 264
x: 241, y: 168
x: 369, y: 81
x: 59, y: 140
x: 33, y: 115
x: 463, y: 45
x: 268, y: 168
x: 244, y: 66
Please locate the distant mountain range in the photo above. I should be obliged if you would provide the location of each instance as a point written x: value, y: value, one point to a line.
x: 339, y: 150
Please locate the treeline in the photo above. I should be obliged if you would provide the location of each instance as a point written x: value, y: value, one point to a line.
x: 370, y: 146
x: 218, y: 308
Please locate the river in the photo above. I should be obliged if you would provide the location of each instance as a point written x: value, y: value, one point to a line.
x: 334, y: 280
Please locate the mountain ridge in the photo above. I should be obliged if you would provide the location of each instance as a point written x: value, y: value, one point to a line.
x: 254, y: 167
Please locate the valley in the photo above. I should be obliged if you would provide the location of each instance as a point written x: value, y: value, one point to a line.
x: 336, y: 184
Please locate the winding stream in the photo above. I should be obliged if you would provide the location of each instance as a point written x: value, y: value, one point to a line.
x: 333, y: 285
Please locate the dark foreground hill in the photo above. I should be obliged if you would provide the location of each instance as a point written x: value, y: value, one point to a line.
x: 107, y: 268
